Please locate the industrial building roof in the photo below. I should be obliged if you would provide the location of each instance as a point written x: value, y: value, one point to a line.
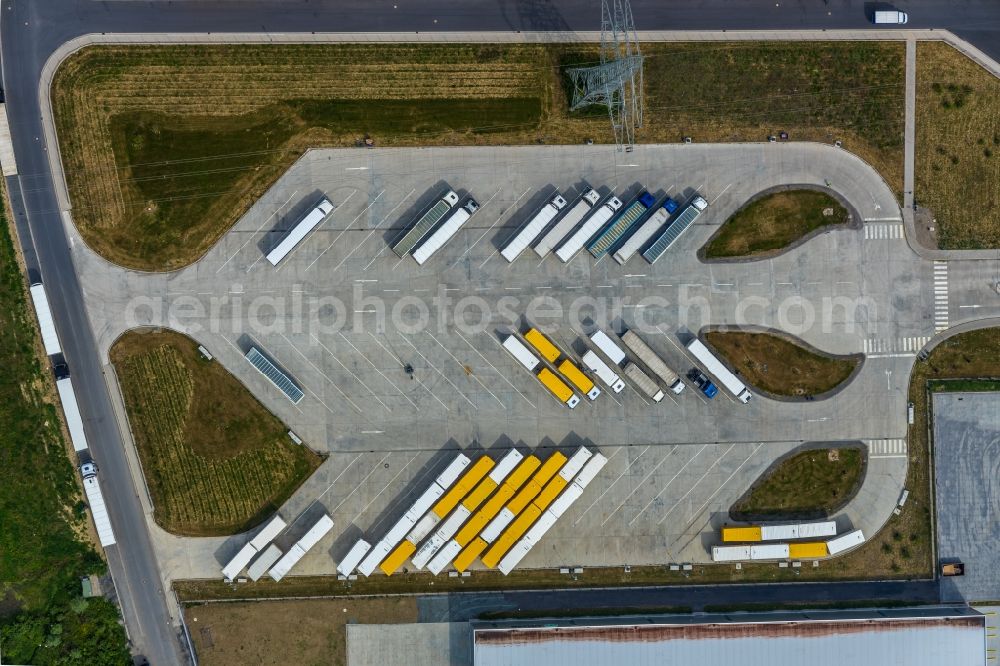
x: 953, y: 636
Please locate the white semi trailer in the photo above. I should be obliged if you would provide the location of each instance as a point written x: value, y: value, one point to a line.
x: 653, y: 361
x: 405, y: 243
x: 533, y: 228
x: 445, y: 232
x: 46, y: 324
x: 71, y: 408
x: 644, y: 382
x: 603, y: 372
x: 98, y: 510
x: 593, y: 224
x: 300, y: 231
x: 641, y: 236
x: 567, y: 223
x: 715, y: 367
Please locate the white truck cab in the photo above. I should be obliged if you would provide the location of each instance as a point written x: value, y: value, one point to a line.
x: 892, y: 17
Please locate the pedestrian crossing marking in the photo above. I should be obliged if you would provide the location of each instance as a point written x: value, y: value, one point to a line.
x: 906, y: 346
x: 886, y: 448
x: 883, y: 231
x: 940, y: 296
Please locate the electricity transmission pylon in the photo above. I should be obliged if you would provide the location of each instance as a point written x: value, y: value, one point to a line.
x: 617, y: 82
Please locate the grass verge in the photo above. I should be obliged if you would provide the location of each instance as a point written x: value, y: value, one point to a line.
x: 776, y: 365
x: 957, y: 166
x: 967, y: 355
x: 166, y: 146
x: 808, y: 485
x: 216, y: 461
x: 44, y: 548
x: 773, y: 222
x: 286, y: 632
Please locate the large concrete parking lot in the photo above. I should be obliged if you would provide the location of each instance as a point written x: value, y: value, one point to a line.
x: 345, y: 317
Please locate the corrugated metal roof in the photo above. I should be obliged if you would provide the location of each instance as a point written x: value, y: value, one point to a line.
x: 867, y: 639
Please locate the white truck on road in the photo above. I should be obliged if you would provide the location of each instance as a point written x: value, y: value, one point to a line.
x: 715, y: 367
x: 95, y: 499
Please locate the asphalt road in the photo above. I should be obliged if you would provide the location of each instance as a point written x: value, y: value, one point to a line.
x: 33, y: 29
x: 469, y: 606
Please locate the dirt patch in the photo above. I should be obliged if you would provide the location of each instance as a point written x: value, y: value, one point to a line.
x: 216, y: 461
x: 810, y: 484
x: 957, y: 161
x: 777, y: 220
x: 301, y: 632
x: 782, y: 367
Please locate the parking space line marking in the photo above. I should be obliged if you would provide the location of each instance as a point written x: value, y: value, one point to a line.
x: 461, y: 365
x: 723, y: 484
x: 391, y: 481
x: 306, y: 239
x: 332, y: 383
x: 502, y: 376
x: 405, y: 397
x: 508, y: 239
x: 696, y: 484
x: 313, y: 393
x: 443, y: 376
x: 334, y: 357
x: 639, y: 485
x: 375, y: 228
x: 721, y: 193
x: 606, y: 490
x: 345, y: 229
x: 342, y: 472
x: 488, y: 229
x: 667, y: 484
x: 361, y: 483
x: 419, y: 383
x: 251, y: 236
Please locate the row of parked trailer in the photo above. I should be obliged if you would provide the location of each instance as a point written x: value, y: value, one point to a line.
x: 259, y: 555
x: 607, y: 227
x: 649, y: 373
x: 784, y: 542
x: 602, y: 227
x: 71, y: 411
x: 496, y: 511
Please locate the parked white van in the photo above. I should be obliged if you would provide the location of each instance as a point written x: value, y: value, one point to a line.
x: 891, y: 18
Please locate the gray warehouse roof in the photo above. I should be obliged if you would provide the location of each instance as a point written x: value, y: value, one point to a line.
x: 915, y: 637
